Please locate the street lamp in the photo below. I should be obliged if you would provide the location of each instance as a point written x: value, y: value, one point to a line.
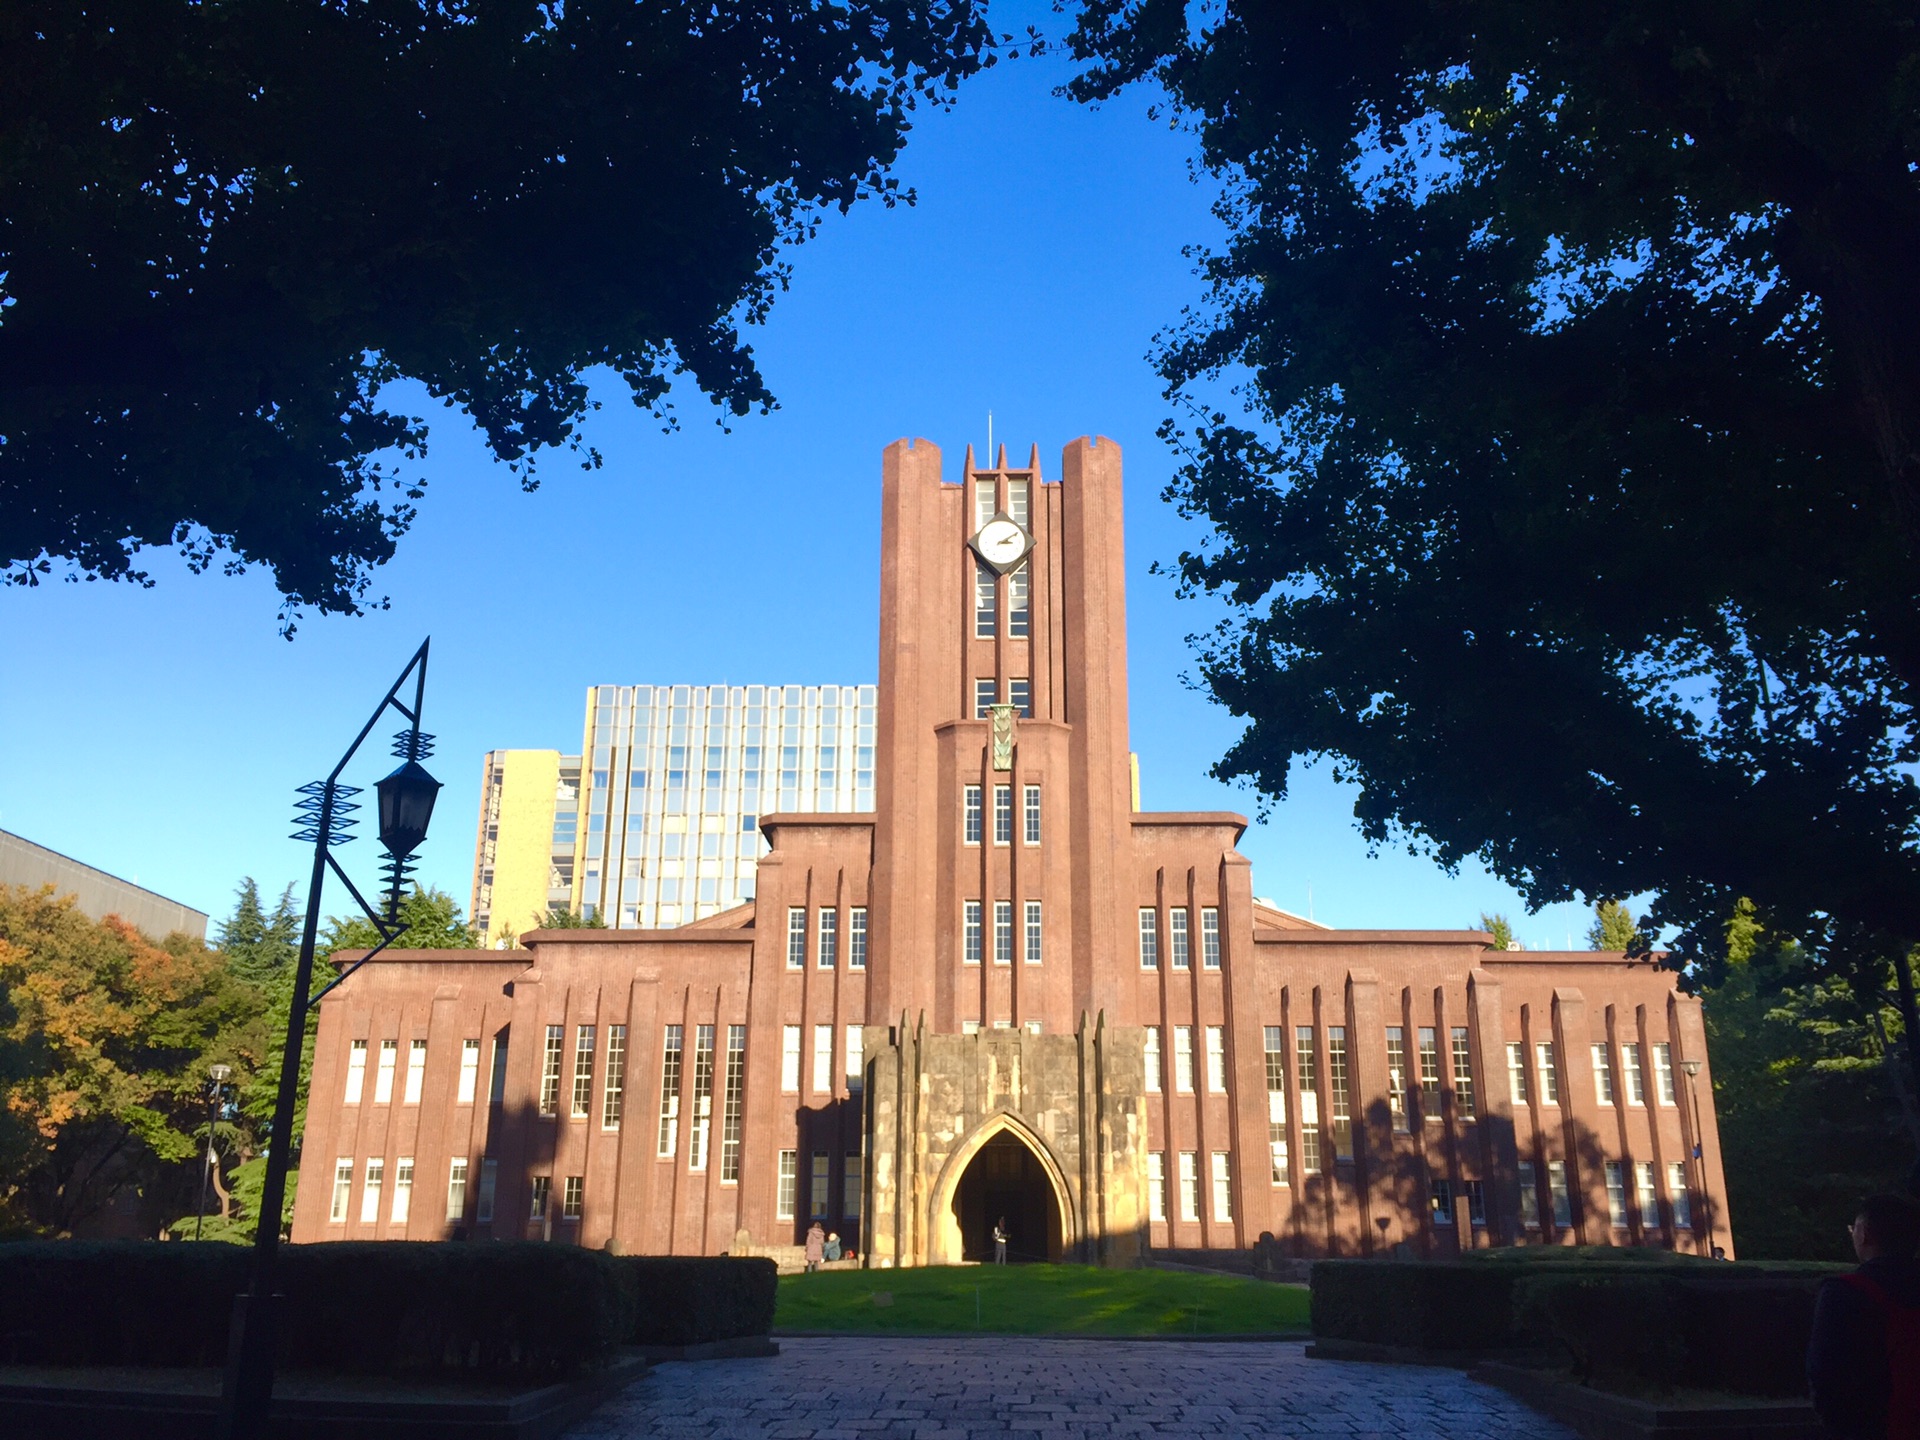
x: 325, y: 815
x: 216, y: 1096
x: 1692, y: 1067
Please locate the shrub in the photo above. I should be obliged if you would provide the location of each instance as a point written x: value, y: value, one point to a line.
x: 391, y: 1307
x: 691, y: 1300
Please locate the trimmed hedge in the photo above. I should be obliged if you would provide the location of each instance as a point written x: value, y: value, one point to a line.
x: 519, y: 1309
x: 1627, y: 1320
x: 692, y: 1300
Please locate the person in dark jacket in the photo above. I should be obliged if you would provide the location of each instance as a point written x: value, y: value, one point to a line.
x: 1855, y: 1320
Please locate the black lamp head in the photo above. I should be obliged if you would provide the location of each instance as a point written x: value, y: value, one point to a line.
x: 406, y: 805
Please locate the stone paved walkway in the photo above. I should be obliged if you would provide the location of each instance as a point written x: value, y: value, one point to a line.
x: 856, y: 1389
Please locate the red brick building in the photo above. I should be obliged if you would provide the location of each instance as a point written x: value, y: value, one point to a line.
x: 1009, y: 993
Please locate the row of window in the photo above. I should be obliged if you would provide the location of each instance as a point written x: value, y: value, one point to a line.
x: 373, y: 1184
x: 466, y: 1086
x: 1632, y: 1073
x: 787, y: 1193
x: 1560, y: 1198
x: 972, y: 816
x: 986, y: 602
x: 822, y: 1059
x: 827, y: 937
x: 1179, y: 938
x: 700, y: 1103
x: 1221, y: 1172
x: 973, y: 932
x: 986, y: 693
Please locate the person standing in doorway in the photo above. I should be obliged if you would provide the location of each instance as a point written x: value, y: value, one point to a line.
x: 816, y: 1246
x: 1000, y: 1241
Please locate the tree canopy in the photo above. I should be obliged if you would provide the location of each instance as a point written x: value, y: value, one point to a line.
x: 226, y: 227
x: 1572, y: 503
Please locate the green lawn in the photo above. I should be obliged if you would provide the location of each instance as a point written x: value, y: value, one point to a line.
x: 1038, y: 1300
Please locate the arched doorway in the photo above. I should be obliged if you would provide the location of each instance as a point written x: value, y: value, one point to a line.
x: 1006, y: 1181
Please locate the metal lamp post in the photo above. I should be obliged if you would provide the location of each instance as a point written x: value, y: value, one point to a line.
x: 216, y: 1096
x: 324, y: 816
x: 1692, y: 1067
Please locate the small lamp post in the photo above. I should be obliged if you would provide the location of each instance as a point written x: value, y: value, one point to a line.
x: 217, y: 1076
x: 1692, y: 1067
x: 324, y: 816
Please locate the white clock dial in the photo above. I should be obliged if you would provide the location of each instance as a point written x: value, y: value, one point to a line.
x: 1002, y: 543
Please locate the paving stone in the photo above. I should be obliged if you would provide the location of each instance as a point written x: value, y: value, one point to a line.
x: 1036, y: 1389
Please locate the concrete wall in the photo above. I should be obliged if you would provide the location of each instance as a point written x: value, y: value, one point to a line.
x: 96, y: 893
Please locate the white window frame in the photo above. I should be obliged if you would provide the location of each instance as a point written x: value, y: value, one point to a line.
x: 822, y: 1060
x: 790, y: 1059
x: 1529, y: 1186
x: 1209, y: 937
x: 373, y: 1179
x: 356, y: 1072
x: 972, y: 816
x: 469, y: 1072
x: 416, y: 1072
x: 1517, y: 1071
x: 827, y: 939
x: 1149, y: 938
x: 796, y: 937
x: 1664, y: 1087
x: 1030, y: 815
x: 1155, y: 1065
x: 402, y: 1205
x: 857, y: 938
x: 1183, y: 1059
x: 1034, y: 934
x: 1217, y: 1059
x: 342, y: 1192
x: 1003, y: 932
x: 1182, y: 956
x: 1548, y: 1070
x: 786, y: 1185
x: 1615, y: 1174
x: 1157, y: 1186
x: 383, y: 1077
x: 972, y: 932
x: 1189, y: 1185
x: 1222, y: 1185
x: 1603, y: 1092
x: 457, y: 1190
x: 1632, y: 1073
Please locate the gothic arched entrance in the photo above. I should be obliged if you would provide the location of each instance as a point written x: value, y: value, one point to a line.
x: 1002, y: 1173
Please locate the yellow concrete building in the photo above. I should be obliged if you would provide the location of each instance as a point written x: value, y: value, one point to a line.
x: 523, y: 861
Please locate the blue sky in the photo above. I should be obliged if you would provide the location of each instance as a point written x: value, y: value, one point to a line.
x: 160, y: 734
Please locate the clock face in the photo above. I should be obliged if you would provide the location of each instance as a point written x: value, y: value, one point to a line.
x: 1002, y: 543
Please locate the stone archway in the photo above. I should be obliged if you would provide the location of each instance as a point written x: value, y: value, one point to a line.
x: 1003, y: 1170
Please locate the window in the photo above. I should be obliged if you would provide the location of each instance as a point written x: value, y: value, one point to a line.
x: 1209, y: 938
x: 1019, y: 603
x: 469, y: 1071
x: 1529, y: 1196
x: 970, y: 932
x: 457, y: 1190
x: 701, y: 1129
x: 1397, y: 1077
x: 1616, y: 1193
x: 1645, y: 1196
x: 1663, y: 1072
x: 969, y: 1027
x: 1549, y: 1073
x: 1157, y: 1185
x: 1003, y: 814
x: 1222, y: 1185
x: 1630, y: 1071
x: 982, y: 698
x: 613, y: 1101
x: 1602, y: 1074
x: 1003, y: 932
x: 857, y: 938
x: 1562, y: 1199
x: 855, y: 1061
x: 542, y: 1189
x: 570, y: 1197
x: 1440, y: 1199
x: 730, y: 1110
x: 850, y: 1185
x: 583, y: 1072
x: 342, y: 1188
x: 1183, y: 1059
x: 1337, y: 1095
x: 817, y: 1194
x: 416, y: 1072
x: 1033, y: 932
x: 1032, y: 802
x: 984, y: 507
x: 670, y: 1092
x: 383, y: 1078
x: 829, y: 946
x: 497, y: 1082
x: 986, y: 594
x: 402, y: 1189
x: 489, y: 1178
x: 1177, y: 932
x: 790, y: 1058
x: 823, y: 1060
x: 356, y: 1071
x: 370, y: 1191
x: 1308, y: 1078
x: 796, y: 938
x: 1462, y: 1071
x: 550, y: 1070
x: 1149, y: 939
x: 1189, y: 1184
x: 1677, y: 1195
x: 1020, y: 696
x: 970, y: 809
x: 1517, y: 1071
x: 1153, y: 1060
x: 783, y: 1198
x: 1276, y: 1105
x: 1429, y: 1074
x: 1476, y: 1202
x: 1217, y: 1059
